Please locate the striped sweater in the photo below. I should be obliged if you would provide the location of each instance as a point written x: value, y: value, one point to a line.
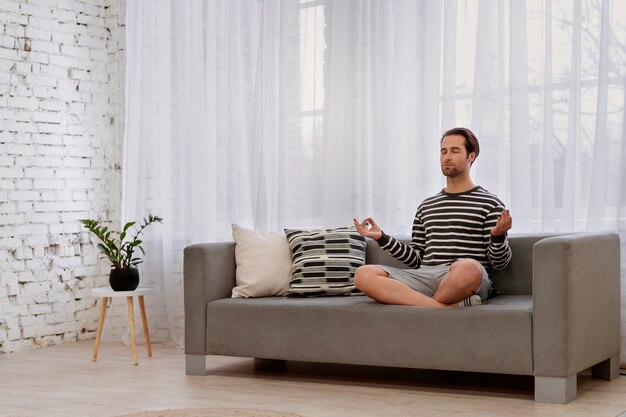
x: 449, y: 226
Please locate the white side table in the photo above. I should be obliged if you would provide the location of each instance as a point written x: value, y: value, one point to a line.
x: 106, y: 293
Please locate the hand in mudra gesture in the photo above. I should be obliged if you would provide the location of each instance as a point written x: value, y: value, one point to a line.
x: 368, y: 228
x: 504, y: 223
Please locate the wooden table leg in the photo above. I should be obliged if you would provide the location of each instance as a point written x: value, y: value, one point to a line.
x: 103, y: 311
x: 133, y: 336
x: 144, y: 320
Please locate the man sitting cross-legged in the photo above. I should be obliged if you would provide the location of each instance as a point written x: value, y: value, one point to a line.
x: 458, y: 235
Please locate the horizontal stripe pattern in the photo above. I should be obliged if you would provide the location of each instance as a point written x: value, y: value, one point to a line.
x: 448, y: 227
x: 324, y: 261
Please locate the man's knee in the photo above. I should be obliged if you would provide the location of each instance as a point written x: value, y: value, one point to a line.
x: 468, y: 273
x: 364, y: 276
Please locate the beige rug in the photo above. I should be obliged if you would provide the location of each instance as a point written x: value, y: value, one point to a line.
x: 212, y: 412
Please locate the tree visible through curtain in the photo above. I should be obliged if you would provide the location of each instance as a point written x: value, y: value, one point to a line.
x: 306, y: 113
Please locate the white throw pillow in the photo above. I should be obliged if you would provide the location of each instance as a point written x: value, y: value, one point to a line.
x: 263, y: 263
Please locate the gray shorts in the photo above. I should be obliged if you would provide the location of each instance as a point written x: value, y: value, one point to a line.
x: 426, y: 279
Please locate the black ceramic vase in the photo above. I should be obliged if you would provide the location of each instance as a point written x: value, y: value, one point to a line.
x: 124, y: 279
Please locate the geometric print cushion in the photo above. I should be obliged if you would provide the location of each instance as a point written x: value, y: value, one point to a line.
x: 324, y: 261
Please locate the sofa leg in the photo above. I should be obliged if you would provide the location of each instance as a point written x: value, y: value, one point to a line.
x: 195, y: 364
x: 555, y: 390
x: 608, y: 369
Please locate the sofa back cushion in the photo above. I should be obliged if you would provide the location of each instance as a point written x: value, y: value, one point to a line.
x: 517, y: 277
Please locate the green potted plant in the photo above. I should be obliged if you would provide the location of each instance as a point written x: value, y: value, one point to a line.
x: 119, y: 248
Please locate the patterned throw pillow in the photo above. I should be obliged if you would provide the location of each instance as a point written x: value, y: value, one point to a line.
x: 324, y: 261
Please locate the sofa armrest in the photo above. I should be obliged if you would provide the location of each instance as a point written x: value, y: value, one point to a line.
x: 576, y: 302
x: 209, y: 274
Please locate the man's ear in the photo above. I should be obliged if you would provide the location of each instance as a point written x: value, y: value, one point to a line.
x: 471, y: 157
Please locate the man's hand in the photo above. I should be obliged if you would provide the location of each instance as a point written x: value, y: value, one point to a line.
x: 504, y: 223
x: 373, y: 231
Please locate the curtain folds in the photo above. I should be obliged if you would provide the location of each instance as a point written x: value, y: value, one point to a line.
x: 305, y: 113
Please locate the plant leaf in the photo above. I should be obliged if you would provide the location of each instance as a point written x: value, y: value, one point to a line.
x: 105, y: 250
x: 127, y: 225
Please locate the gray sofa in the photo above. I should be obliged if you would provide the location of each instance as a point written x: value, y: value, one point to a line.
x: 558, y: 314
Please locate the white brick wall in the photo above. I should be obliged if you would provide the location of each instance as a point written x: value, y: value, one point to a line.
x: 61, y: 111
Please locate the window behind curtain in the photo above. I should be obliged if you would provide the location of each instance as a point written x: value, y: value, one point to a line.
x: 306, y: 149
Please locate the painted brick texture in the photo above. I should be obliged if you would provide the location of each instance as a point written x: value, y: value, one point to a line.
x: 61, y: 129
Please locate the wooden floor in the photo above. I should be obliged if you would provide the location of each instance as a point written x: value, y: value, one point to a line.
x: 62, y: 381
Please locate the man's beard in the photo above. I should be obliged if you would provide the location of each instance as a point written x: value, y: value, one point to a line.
x: 451, y: 171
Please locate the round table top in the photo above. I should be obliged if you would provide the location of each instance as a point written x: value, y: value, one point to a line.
x: 108, y: 292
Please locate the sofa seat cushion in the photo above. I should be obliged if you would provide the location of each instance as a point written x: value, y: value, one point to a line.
x: 494, y: 337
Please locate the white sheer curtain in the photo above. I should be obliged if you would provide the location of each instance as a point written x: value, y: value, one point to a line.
x: 307, y: 113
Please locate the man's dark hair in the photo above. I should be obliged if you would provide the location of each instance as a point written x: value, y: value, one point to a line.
x: 471, y: 141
